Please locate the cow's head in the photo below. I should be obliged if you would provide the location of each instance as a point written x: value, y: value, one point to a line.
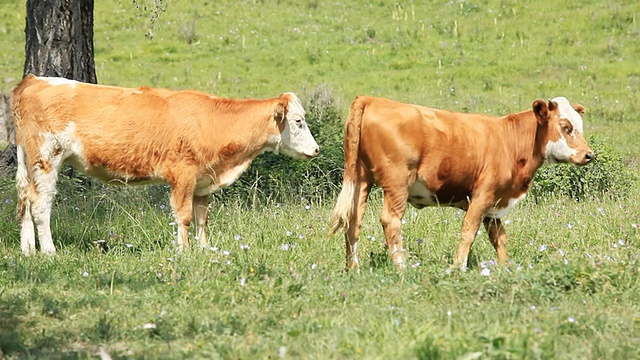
x: 565, y: 131
x: 295, y: 138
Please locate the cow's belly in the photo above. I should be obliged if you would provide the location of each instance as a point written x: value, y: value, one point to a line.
x: 420, y: 196
x: 113, y: 177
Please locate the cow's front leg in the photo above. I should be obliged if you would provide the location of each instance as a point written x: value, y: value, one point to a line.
x: 497, y: 236
x: 182, y: 202
x: 395, y: 200
x: 470, y: 226
x: 200, y: 209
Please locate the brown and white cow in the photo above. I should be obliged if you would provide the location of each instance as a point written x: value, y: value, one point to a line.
x: 430, y: 157
x: 195, y: 142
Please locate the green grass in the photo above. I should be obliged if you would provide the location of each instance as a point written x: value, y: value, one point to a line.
x: 572, y: 291
x: 272, y: 280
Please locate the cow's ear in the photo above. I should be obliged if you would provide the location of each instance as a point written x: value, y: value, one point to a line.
x: 579, y: 108
x: 541, y: 110
x: 281, y: 108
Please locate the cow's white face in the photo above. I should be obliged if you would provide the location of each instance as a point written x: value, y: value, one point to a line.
x: 566, y: 139
x: 295, y: 137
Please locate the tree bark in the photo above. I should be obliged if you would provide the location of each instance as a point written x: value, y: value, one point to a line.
x: 59, y: 42
x: 59, y: 39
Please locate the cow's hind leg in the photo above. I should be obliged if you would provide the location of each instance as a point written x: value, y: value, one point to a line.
x: 200, y: 209
x: 182, y: 204
x: 43, y: 191
x: 497, y: 236
x: 362, y: 190
x: 395, y: 201
x: 24, y: 185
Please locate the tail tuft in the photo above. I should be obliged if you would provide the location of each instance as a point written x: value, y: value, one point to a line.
x: 342, y: 212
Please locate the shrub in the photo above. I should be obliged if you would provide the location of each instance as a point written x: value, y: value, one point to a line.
x: 274, y: 178
x: 607, y: 175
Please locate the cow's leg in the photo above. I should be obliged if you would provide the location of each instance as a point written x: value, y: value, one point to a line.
x: 43, y: 191
x: 497, y: 236
x: 182, y: 204
x: 24, y: 185
x: 395, y: 200
x: 200, y: 208
x: 470, y: 225
x: 353, y: 231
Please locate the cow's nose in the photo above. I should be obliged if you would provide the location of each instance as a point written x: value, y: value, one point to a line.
x: 316, y: 152
x: 589, y: 156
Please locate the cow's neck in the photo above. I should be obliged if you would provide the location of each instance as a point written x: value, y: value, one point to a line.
x: 529, y: 141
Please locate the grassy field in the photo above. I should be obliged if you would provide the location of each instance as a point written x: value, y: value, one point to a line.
x: 271, y: 285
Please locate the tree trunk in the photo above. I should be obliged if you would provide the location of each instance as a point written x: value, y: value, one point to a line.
x: 60, y: 39
x: 59, y: 42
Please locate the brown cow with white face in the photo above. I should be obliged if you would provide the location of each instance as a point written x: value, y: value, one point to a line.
x: 430, y: 157
x: 195, y: 142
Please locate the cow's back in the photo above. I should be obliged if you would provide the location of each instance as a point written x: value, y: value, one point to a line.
x: 441, y: 146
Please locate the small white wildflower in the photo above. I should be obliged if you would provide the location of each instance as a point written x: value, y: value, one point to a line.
x: 300, y: 236
x: 561, y: 252
x: 403, y: 221
x: 129, y: 245
x: 507, y: 222
x: 243, y: 282
x: 149, y: 326
x: 236, y: 237
x: 228, y: 262
x: 169, y: 259
x: 307, y: 207
x: 570, y: 226
x: 172, y: 223
x: 314, y: 266
x: 542, y: 248
x: 533, y: 307
x: 244, y: 247
x: 282, y: 352
x: 289, y: 233
x: 85, y: 273
x: 621, y: 242
x: 416, y: 265
x: 601, y: 211
x: 226, y: 252
x: 566, y: 262
x: 571, y: 319
x: 449, y: 313
x: 485, y: 272
x: 483, y: 264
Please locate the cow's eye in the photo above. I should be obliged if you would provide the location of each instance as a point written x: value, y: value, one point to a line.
x: 566, y: 128
x: 299, y: 122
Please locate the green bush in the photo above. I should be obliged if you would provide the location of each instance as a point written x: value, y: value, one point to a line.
x: 607, y: 175
x: 276, y: 178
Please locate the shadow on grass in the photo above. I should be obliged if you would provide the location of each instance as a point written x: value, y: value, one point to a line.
x: 18, y: 340
x: 11, y: 341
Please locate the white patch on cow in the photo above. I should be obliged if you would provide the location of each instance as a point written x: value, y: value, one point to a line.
x: 558, y: 151
x: 420, y: 196
x: 296, y: 139
x: 54, y: 81
x: 209, y: 184
x: 27, y: 230
x: 499, y: 213
x: 569, y: 113
x: 354, y: 254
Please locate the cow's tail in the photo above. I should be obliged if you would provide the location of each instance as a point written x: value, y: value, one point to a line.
x: 345, y: 205
x: 23, y: 179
